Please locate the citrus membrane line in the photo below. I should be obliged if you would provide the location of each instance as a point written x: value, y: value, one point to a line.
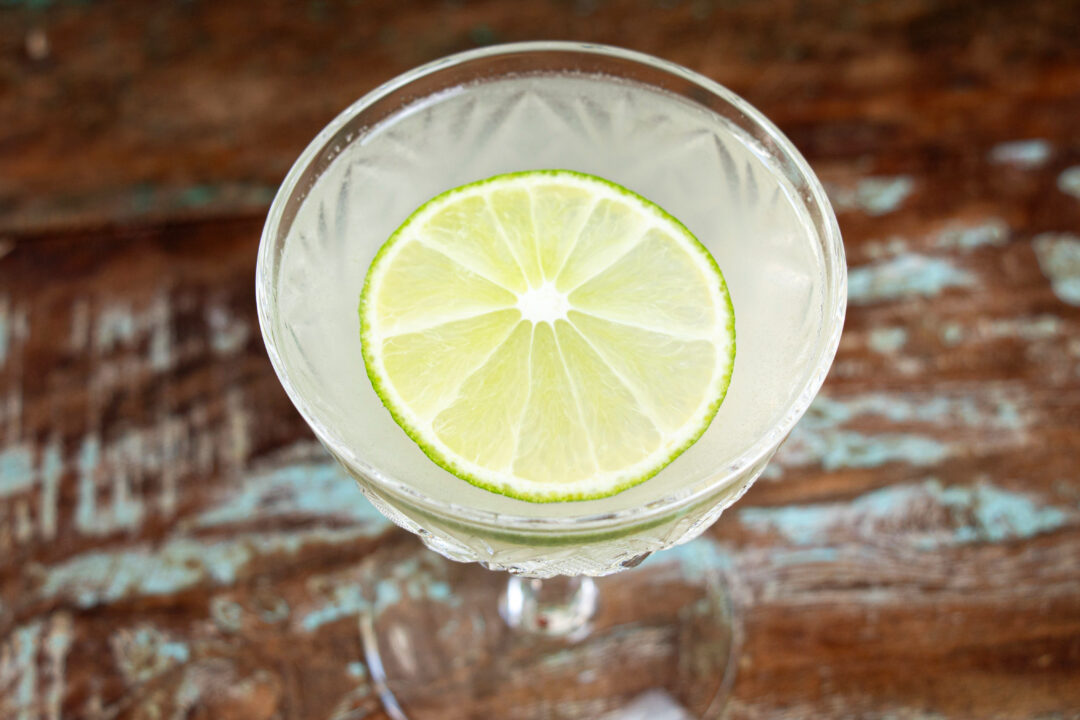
x: 528, y: 397
x: 577, y: 400
x: 461, y: 263
x: 442, y: 322
x: 630, y: 386
x: 501, y: 232
x: 536, y: 245
x: 480, y: 366
x: 585, y: 218
x: 412, y: 238
x: 603, y: 269
x: 666, y: 332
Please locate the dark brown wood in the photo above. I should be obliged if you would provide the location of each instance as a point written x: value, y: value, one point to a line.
x: 170, y: 536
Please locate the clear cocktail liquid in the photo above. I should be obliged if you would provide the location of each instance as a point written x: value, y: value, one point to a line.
x: 691, y: 162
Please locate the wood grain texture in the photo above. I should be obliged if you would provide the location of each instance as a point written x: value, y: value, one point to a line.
x: 174, y: 544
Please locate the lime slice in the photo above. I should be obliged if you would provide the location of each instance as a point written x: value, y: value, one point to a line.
x: 547, y: 335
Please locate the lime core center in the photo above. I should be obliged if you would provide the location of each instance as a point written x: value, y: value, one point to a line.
x: 543, y: 304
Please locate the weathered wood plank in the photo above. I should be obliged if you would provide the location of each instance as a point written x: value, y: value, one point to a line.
x: 914, y: 545
x: 862, y: 89
x: 172, y: 540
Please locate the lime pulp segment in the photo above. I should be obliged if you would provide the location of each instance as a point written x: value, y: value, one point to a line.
x: 548, y: 335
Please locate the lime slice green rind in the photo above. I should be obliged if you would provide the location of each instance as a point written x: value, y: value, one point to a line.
x: 556, y: 493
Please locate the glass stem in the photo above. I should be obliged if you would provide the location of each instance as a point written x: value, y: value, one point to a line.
x: 561, y: 607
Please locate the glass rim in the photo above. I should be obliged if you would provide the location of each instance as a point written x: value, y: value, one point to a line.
x: 835, y: 306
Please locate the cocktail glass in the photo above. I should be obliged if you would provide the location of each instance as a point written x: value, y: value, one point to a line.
x: 548, y: 640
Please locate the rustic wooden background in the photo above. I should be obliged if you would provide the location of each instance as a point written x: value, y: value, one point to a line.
x: 172, y: 542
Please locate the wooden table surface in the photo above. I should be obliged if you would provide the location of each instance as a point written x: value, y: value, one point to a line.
x: 167, y: 522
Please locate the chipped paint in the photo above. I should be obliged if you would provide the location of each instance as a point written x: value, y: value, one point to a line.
x: 121, y: 325
x: 124, y: 457
x: 998, y: 515
x: 58, y: 640
x: 1039, y: 327
x: 197, y: 195
x: 819, y: 437
x: 161, y: 341
x: 115, y: 326
x: 887, y: 340
x: 804, y: 556
x: 344, y: 601
x: 991, y: 410
x: 145, y: 652
x: 14, y: 327
x: 772, y: 471
x: 98, y: 577
x: 903, y: 277
x: 19, y: 671
x: 877, y: 196
x: 227, y: 613
x: 926, y: 514
x: 16, y: 470
x: 228, y: 334
x: 52, y: 467
x: 952, y: 333
x: 695, y: 560
x: 847, y: 449
x: 1027, y: 328
x: 1027, y: 154
x: 112, y: 493
x: 313, y: 488
x: 873, y: 195
x: 990, y: 233
x: 417, y: 579
x: 26, y: 649
x: 881, y: 249
x: 86, y: 502
x: 1068, y: 181
x: 1059, y: 259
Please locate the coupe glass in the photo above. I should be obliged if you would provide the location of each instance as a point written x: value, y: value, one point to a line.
x: 548, y: 640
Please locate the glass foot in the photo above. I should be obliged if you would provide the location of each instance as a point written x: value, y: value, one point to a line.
x: 657, y: 642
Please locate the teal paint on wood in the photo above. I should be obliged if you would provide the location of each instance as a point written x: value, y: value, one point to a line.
x: 16, y: 470
x: 980, y: 409
x: 927, y: 515
x: 887, y: 340
x: 97, y: 577
x: 807, y: 556
x: 874, y: 195
x: 115, y: 326
x: 990, y: 233
x: 1069, y: 181
x: 375, y: 590
x: 1027, y: 154
x: 310, y: 488
x: 145, y: 652
x: 1059, y: 259
x: 907, y: 276
x: 695, y: 560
